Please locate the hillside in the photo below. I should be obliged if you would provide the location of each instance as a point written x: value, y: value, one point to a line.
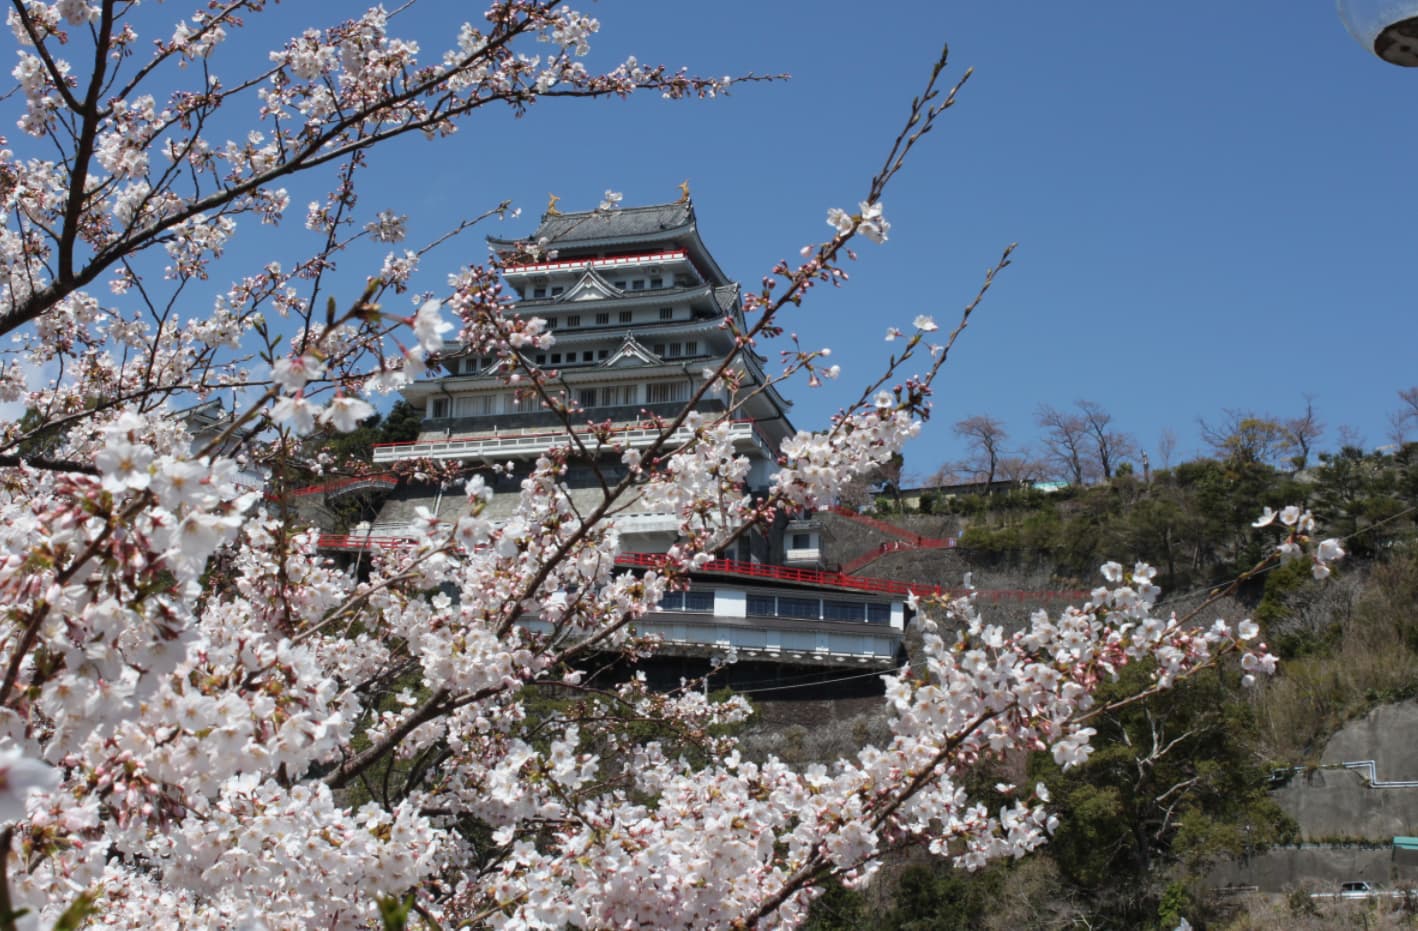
x: 1180, y: 786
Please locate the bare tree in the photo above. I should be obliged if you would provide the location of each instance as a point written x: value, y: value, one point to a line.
x: 1244, y: 437
x: 1301, y: 433
x: 1406, y: 417
x: 1110, y: 447
x: 1021, y: 468
x: 985, y: 436
x: 1066, y: 442
x: 1349, y: 436
x: 1167, y: 446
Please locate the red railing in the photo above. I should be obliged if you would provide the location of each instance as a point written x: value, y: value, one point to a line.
x: 606, y: 262
x: 915, y: 539
x: 359, y: 541
x: 381, y: 479
x: 891, y: 546
x: 753, y: 570
x: 843, y: 580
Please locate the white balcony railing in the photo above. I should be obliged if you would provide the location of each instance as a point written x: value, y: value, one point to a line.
x: 535, y: 442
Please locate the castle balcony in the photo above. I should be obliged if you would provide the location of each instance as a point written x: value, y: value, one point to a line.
x: 805, y: 643
x: 675, y: 257
x: 514, y: 444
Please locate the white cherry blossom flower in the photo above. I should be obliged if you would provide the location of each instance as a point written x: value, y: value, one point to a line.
x: 124, y: 465
x: 388, y: 227
x: 1329, y: 551
x: 873, y: 225
x: 293, y: 372
x: 297, y: 412
x: 345, y: 413
x: 429, y: 326
x: 925, y: 323
x: 20, y: 776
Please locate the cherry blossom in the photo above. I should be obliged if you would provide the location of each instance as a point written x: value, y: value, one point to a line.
x: 208, y: 722
x: 429, y: 326
x: 345, y: 413
x: 19, y: 777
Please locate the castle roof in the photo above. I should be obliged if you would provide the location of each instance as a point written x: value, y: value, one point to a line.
x: 591, y: 230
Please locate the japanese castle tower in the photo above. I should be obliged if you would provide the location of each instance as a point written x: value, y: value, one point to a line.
x: 636, y: 304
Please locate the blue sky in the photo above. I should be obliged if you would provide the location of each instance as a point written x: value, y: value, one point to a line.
x: 1210, y: 199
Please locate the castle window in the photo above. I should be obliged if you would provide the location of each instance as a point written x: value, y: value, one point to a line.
x: 539, y: 292
x: 666, y: 392
x: 602, y: 319
x: 843, y: 611
x: 619, y: 395
x: 657, y: 282
x: 587, y: 356
x: 691, y: 348
x: 805, y: 608
x: 638, y: 284
x: 574, y: 320
x: 667, y: 313
x: 438, y: 408
x: 688, y: 601
x: 603, y: 354
x: 626, y: 316
x: 556, y: 291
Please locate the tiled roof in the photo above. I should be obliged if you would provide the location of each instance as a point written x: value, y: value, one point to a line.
x: 567, y: 229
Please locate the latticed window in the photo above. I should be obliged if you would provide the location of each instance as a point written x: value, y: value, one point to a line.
x: 666, y: 392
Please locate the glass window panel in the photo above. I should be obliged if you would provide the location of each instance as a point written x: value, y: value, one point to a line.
x: 699, y: 601
x: 807, y: 608
x: 843, y: 610
x: 761, y: 605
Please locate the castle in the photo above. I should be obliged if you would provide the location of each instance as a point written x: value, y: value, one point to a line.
x: 637, y: 306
